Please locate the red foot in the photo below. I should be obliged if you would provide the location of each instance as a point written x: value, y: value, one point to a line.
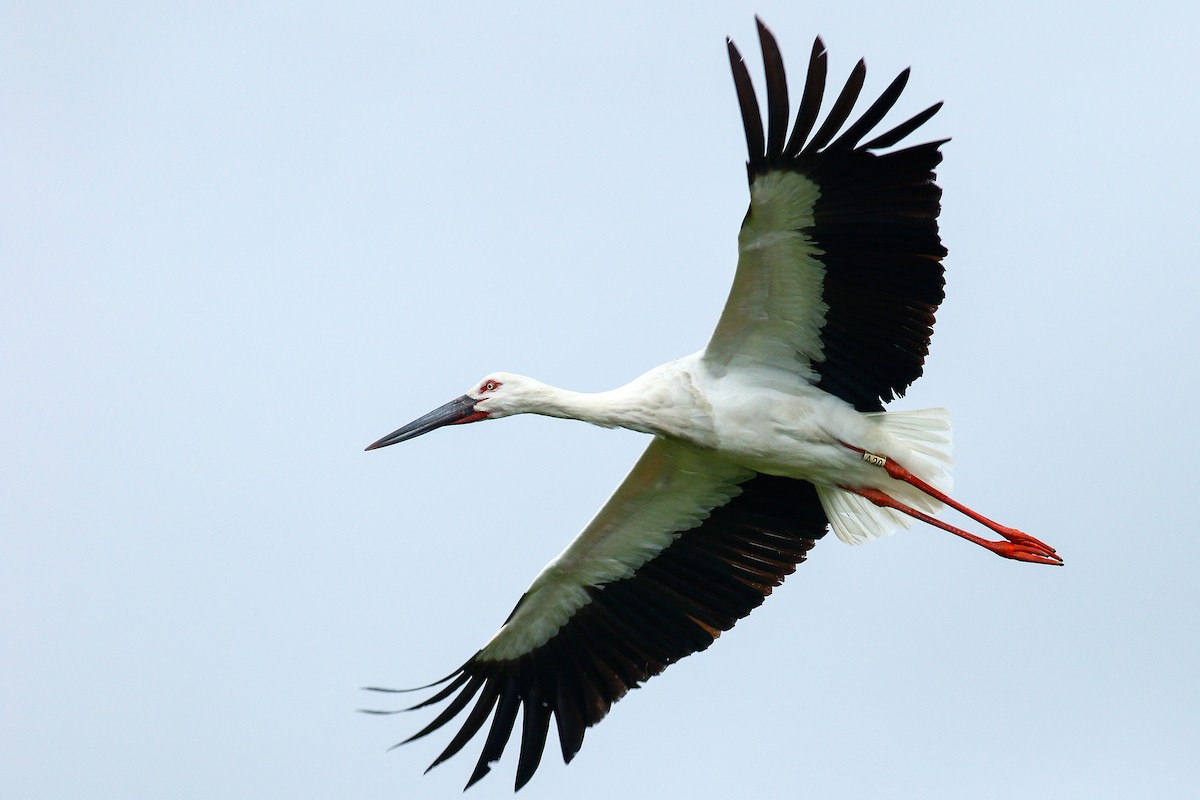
x: 1020, y: 537
x: 1019, y: 551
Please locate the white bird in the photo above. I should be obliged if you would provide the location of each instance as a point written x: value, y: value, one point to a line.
x: 772, y: 432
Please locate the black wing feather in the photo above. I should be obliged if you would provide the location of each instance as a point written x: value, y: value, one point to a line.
x: 903, y: 129
x: 810, y: 102
x: 875, y: 114
x: 535, y: 725
x: 842, y: 107
x: 502, y: 725
x: 489, y: 692
x: 751, y: 116
x: 777, y: 91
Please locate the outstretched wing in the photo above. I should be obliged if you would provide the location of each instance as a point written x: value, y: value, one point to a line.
x: 687, y: 545
x: 839, y: 270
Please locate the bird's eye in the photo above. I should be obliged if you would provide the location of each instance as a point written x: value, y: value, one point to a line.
x: 490, y: 386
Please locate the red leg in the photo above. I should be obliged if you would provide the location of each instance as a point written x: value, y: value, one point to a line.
x: 1012, y: 534
x: 1023, y: 542
x: 1019, y: 551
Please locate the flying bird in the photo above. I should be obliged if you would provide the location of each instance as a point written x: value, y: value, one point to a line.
x: 763, y: 440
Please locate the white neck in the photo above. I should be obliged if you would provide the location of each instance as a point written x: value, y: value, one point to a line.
x: 661, y: 402
x: 612, y: 409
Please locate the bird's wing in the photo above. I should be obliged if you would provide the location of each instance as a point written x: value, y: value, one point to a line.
x: 686, y: 547
x: 839, y: 271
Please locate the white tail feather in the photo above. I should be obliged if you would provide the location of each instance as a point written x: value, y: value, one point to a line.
x: 923, y: 446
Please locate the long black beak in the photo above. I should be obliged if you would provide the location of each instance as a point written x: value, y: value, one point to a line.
x: 456, y: 412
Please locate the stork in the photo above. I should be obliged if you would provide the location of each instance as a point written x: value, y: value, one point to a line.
x: 772, y: 433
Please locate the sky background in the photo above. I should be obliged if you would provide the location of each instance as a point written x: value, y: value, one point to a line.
x: 241, y: 241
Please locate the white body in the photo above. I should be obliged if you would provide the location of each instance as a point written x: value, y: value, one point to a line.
x: 768, y: 421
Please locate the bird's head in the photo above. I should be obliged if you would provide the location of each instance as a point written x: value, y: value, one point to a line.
x: 500, y: 394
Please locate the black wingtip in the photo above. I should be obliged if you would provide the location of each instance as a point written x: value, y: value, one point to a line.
x: 748, y: 103
x: 438, y: 682
x: 764, y: 33
x: 842, y: 107
x: 477, y: 775
x: 873, y: 115
x: 777, y: 92
x: 810, y: 100
x: 896, y: 134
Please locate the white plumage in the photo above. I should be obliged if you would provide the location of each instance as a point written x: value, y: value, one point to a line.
x: 772, y: 432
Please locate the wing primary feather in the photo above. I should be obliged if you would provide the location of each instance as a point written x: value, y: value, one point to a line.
x: 449, y: 689
x: 459, y: 679
x: 498, y: 733
x: 473, y: 722
x: 904, y: 129
x: 810, y: 101
x: 438, y: 682
x: 569, y: 719
x: 449, y: 712
x: 874, y: 114
x: 748, y: 102
x: 535, y: 725
x: 841, y: 109
x: 777, y: 91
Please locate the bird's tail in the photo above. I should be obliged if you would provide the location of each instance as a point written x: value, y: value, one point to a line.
x: 925, y: 434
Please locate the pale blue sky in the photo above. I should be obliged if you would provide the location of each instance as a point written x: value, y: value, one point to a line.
x: 241, y: 241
